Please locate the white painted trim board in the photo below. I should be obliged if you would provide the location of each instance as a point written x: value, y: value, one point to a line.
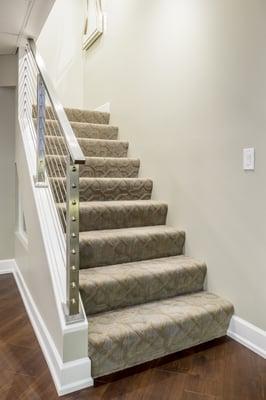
x: 68, y: 377
x: 248, y: 335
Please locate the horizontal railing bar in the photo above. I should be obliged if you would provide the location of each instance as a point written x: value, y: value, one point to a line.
x: 74, y: 149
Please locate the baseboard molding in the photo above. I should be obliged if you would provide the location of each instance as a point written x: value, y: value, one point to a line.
x: 248, y: 335
x: 68, y: 377
x: 7, y: 266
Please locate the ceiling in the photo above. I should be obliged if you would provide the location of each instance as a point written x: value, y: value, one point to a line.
x: 21, y: 19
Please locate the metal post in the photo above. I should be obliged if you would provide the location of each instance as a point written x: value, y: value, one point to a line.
x: 40, y: 167
x: 72, y: 242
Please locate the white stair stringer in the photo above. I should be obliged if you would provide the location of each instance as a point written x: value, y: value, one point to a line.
x: 41, y: 269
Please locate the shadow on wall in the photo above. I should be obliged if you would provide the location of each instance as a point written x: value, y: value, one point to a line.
x: 60, y: 44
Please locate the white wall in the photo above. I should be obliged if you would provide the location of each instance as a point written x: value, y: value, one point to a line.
x: 60, y: 45
x: 7, y: 172
x: 187, y: 84
x: 32, y: 259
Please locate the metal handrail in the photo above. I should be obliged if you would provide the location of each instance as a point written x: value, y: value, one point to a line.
x: 72, y: 143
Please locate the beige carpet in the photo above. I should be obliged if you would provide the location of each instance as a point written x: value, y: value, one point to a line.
x: 144, y: 299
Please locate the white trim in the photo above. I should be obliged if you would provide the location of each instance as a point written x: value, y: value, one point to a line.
x: 69, y: 376
x: 23, y: 239
x: 248, y: 335
x: 21, y: 232
x: 6, y: 266
x: 104, y: 108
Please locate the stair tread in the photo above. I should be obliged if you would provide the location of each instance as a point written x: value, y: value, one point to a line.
x: 117, y: 203
x: 92, y: 124
x: 128, y: 232
x: 91, y: 140
x: 117, y: 179
x: 93, y: 158
x: 122, y: 338
x: 120, y: 159
x: 105, y: 179
x: 121, y: 285
x: 78, y: 123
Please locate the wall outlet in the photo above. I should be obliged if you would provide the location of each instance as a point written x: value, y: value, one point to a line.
x: 249, y: 159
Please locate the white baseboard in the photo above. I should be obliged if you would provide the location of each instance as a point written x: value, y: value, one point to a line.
x: 68, y: 377
x: 6, y: 266
x: 248, y: 335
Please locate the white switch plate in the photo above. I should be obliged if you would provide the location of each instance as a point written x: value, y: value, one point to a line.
x: 249, y: 159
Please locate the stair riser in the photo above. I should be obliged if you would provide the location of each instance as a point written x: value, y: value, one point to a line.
x: 92, y: 131
x: 116, y: 168
x: 92, y: 117
x: 123, y: 190
x: 101, y: 190
x: 108, y: 217
x: 141, y: 289
x: 117, y: 250
x: 83, y: 130
x: 90, y: 148
x: 97, y: 167
x: 154, y: 332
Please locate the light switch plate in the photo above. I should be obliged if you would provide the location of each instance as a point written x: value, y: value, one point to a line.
x: 249, y: 159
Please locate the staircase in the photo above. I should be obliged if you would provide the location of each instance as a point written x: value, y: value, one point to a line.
x: 143, y: 298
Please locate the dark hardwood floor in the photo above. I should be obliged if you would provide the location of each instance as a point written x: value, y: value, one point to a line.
x: 220, y: 370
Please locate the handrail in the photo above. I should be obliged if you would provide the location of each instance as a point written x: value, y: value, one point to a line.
x: 74, y: 149
x: 58, y: 159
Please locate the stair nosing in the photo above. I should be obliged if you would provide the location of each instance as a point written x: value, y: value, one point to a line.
x: 141, y: 230
x: 113, y: 203
x: 92, y: 140
x: 181, y: 260
x: 98, y: 125
x: 103, y: 178
x: 131, y: 159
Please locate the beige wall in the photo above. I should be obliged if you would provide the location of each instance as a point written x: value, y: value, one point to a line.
x: 7, y: 172
x: 31, y: 259
x: 8, y: 70
x: 187, y: 84
x: 60, y: 46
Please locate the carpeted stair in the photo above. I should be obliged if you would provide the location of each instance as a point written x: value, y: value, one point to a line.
x: 144, y: 299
